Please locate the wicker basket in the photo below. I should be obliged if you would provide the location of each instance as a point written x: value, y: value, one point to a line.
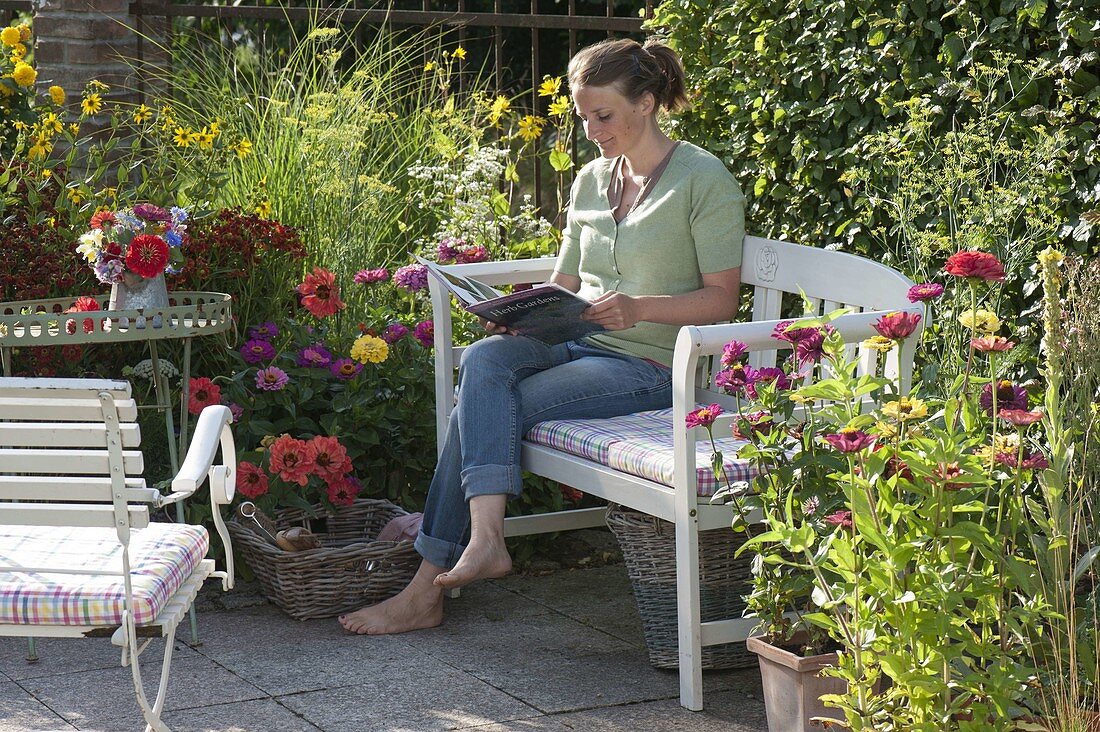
x: 649, y: 549
x: 347, y: 572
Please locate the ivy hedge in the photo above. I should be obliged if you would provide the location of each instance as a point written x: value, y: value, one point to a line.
x: 789, y: 91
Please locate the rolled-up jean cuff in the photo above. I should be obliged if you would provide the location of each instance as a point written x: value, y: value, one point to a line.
x: 491, y: 480
x: 437, y: 551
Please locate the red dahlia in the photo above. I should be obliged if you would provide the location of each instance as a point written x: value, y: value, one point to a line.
x: 979, y: 265
x: 147, y: 255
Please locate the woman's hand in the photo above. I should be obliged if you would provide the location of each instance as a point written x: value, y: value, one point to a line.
x: 614, y: 311
x: 494, y: 328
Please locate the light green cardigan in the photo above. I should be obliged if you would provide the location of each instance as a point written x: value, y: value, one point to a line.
x: 691, y: 223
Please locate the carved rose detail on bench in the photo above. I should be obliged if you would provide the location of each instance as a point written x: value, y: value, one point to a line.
x: 767, y: 264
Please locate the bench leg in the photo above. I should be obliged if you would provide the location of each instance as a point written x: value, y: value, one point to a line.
x: 689, y: 617
x: 153, y: 722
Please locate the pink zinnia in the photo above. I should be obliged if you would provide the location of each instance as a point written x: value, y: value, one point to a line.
x: 202, y: 393
x: 272, y: 378
x: 343, y: 490
x: 842, y: 518
x: 330, y: 458
x: 897, y: 326
x: 734, y: 379
x: 991, y: 343
x: 758, y: 423
x: 925, y: 291
x: 411, y: 277
x: 850, y: 439
x: 291, y: 460
x: 975, y: 265
x: 320, y: 294
x: 425, y: 333
x: 768, y: 375
x: 368, y: 276
x: 1020, y: 417
x: 703, y: 416
x: 251, y: 480
x: 732, y: 353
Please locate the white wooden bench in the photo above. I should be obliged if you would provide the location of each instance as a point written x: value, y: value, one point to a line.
x: 777, y: 271
x: 79, y: 556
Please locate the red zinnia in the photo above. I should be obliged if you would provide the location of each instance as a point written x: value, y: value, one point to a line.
x: 203, y: 393
x: 330, y: 458
x: 292, y: 460
x: 343, y: 490
x: 979, y: 265
x: 897, y: 326
x: 147, y: 255
x: 102, y: 219
x: 83, y: 304
x: 319, y: 293
x: 251, y: 480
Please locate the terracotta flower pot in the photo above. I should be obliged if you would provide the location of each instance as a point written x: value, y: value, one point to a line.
x: 793, y: 687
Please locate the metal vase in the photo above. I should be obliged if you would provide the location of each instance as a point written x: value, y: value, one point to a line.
x: 137, y: 293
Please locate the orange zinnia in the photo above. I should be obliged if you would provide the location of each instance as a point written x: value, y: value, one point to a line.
x: 320, y: 294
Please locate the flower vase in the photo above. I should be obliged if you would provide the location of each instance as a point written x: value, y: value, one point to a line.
x: 139, y: 293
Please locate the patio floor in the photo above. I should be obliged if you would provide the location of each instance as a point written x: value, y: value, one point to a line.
x: 527, y: 653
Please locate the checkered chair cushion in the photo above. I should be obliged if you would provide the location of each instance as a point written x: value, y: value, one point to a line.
x: 639, y: 444
x: 162, y: 556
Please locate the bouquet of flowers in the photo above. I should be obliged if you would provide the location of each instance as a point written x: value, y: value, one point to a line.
x: 142, y: 242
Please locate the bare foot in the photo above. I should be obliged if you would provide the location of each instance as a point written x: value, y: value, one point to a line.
x: 410, y: 609
x: 481, y: 560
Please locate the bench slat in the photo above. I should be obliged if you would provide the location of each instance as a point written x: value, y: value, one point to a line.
x: 68, y: 514
x: 58, y: 488
x: 61, y: 410
x: 71, y: 434
x: 67, y: 462
x: 24, y: 388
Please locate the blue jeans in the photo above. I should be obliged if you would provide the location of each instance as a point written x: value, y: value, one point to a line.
x: 506, y: 385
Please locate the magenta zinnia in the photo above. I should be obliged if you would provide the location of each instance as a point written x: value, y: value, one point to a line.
x: 850, y: 439
x: 272, y: 378
x: 925, y: 291
x: 1009, y: 396
x: 732, y: 353
x: 703, y: 416
x: 897, y: 326
x: 147, y: 255
x: 842, y: 518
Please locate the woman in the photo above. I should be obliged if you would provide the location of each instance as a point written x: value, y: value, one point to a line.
x: 653, y: 239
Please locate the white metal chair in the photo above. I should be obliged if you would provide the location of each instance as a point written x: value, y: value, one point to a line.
x: 780, y: 273
x: 79, y: 556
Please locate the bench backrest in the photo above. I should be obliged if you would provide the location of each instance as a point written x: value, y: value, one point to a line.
x: 70, y: 455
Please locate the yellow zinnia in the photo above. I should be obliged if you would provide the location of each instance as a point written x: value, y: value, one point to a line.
x: 905, y: 409
x: 879, y: 343
x: 24, y: 74
x: 57, y: 95
x: 370, y: 349
x: 982, y: 320
x: 91, y: 104
x: 550, y: 86
x: 10, y: 36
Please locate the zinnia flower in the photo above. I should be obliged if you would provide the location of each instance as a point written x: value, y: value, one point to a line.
x: 991, y: 343
x: 767, y: 375
x: 425, y: 333
x: 897, y: 326
x: 842, y: 518
x: 411, y: 277
x: 264, y: 331
x: 291, y: 460
x: 314, y: 356
x: 1035, y: 461
x: 149, y: 212
x: 1020, y: 417
x: 976, y: 265
x: 102, y: 219
x: 235, y: 409
x: 256, y: 350
x: 203, y: 393
x: 925, y: 291
x: 849, y: 439
x: 394, y: 332
x: 982, y: 320
x: 732, y: 353
x: 272, y: 378
x: 251, y: 480
x: 810, y: 347
x: 947, y: 472
x: 367, y: 276
x: 882, y: 344
x: 343, y: 490
x: 345, y: 369
x: 703, y: 416
x: 449, y: 249
x: 147, y: 255
x: 1009, y: 396
x: 370, y: 349
x: 83, y: 304
x: 330, y: 458
x: 758, y: 423
x: 735, y: 379
x: 905, y: 409
x: 320, y: 294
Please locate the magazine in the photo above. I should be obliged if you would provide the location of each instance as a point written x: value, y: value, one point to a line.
x: 547, y: 312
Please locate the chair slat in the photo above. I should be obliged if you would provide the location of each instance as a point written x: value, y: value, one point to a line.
x: 66, y: 462
x: 71, y: 434
x: 767, y: 305
x: 61, y: 410
x: 67, y: 488
x: 68, y: 514
x: 15, y: 386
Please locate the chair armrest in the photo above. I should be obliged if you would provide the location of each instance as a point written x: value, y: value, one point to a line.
x: 211, y: 431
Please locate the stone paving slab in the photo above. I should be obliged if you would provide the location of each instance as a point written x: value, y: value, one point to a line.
x: 65, y: 655
x: 261, y: 715
x: 21, y: 712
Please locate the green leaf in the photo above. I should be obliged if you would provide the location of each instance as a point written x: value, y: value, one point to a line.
x: 561, y: 161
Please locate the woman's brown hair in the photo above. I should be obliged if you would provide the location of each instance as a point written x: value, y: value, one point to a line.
x: 634, y: 69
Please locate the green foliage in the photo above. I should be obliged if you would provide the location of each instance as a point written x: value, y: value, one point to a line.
x: 788, y: 94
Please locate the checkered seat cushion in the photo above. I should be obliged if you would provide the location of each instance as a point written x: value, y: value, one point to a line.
x: 639, y: 444
x: 162, y: 556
